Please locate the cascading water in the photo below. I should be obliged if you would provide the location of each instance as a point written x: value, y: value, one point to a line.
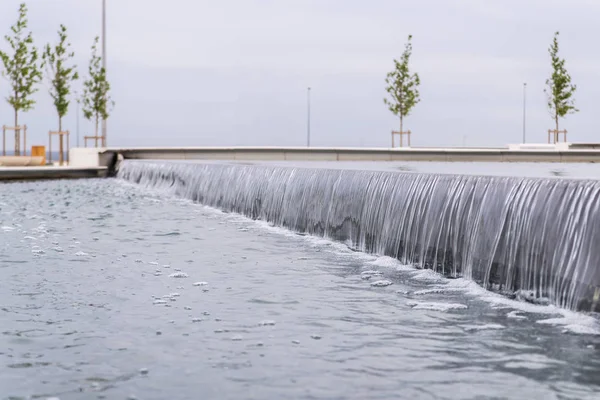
x: 513, y: 235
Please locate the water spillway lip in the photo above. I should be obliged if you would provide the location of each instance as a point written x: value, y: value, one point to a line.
x: 577, y: 171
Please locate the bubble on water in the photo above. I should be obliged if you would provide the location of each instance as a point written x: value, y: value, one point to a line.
x: 38, y: 251
x: 95, y: 239
x: 205, y: 313
x: 316, y: 337
x: 218, y: 330
x: 175, y: 294
x: 29, y: 238
x: 158, y: 333
x: 266, y: 323
x: 54, y: 242
x: 157, y: 274
x: 153, y: 263
x: 144, y: 371
x: 187, y: 308
x: 179, y: 275
x: 166, y: 266
x: 179, y: 288
x: 177, y: 269
x: 137, y: 260
x: 172, y: 321
x: 237, y: 338
x: 218, y: 319
x: 371, y: 273
x: 382, y: 283
x: 159, y: 302
x: 296, y: 341
x: 196, y: 319
x: 200, y: 283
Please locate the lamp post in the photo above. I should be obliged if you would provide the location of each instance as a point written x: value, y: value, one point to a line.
x: 104, y: 63
x: 308, y: 118
x: 524, y: 112
x: 77, y: 126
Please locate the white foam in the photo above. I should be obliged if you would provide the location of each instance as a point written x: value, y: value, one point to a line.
x: 579, y: 324
x: 179, y: 275
x: 437, y: 290
x: 483, y: 327
x: 81, y: 254
x: 386, y: 262
x: 267, y: 323
x: 371, y: 272
x: 515, y: 315
x: 436, y: 306
x: 382, y: 283
x: 7, y: 228
x: 427, y: 275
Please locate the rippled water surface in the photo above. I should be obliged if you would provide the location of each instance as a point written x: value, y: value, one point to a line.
x: 109, y: 291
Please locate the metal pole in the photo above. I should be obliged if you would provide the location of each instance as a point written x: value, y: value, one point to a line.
x: 77, y: 133
x: 308, y: 119
x: 104, y: 61
x: 524, y: 112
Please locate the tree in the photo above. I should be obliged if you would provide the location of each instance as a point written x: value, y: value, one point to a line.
x: 59, y: 74
x: 402, y: 86
x: 21, y: 69
x: 95, y: 90
x: 560, y: 90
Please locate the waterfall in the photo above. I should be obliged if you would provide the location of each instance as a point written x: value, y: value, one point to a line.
x: 533, y: 236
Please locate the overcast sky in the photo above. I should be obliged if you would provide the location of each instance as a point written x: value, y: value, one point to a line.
x: 235, y: 72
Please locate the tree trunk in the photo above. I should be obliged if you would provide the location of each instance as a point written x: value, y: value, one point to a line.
x: 60, y: 142
x: 556, y: 133
x: 96, y: 134
x: 401, y: 132
x: 17, y: 134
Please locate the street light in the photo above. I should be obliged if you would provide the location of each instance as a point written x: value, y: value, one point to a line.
x: 524, y: 111
x: 104, y: 63
x: 308, y: 118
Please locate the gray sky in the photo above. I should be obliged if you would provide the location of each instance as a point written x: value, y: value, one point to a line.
x: 235, y: 72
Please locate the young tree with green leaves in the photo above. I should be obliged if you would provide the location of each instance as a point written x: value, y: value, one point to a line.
x: 59, y: 73
x: 560, y: 91
x: 21, y: 69
x: 402, y: 86
x: 95, y: 90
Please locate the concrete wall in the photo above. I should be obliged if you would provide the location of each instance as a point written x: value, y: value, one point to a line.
x: 87, y: 157
x: 45, y: 173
